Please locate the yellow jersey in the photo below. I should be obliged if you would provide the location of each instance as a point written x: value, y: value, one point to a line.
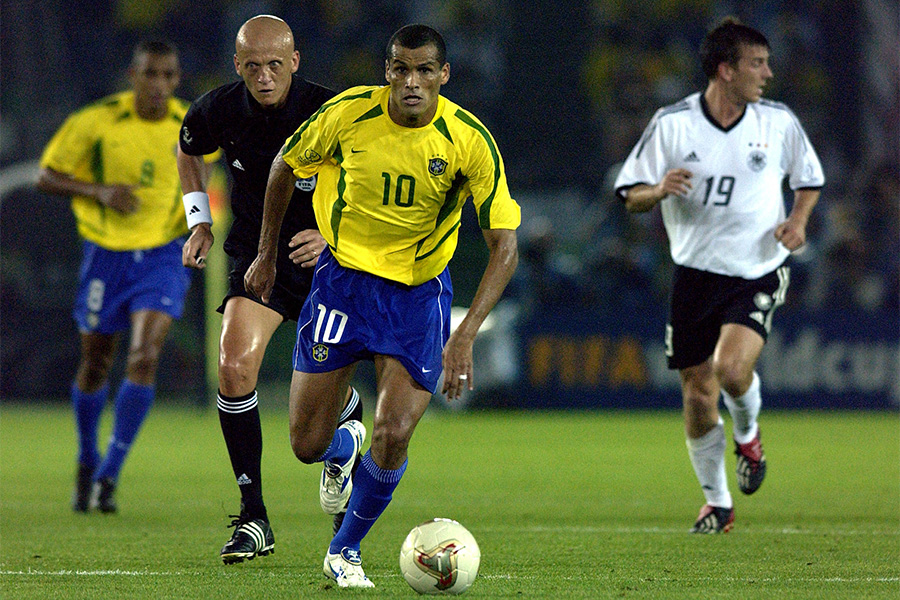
x: 389, y: 198
x: 107, y: 142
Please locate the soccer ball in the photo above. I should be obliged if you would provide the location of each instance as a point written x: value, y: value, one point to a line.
x: 440, y: 557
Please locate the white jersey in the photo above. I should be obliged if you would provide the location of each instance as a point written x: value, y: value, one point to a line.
x: 726, y: 222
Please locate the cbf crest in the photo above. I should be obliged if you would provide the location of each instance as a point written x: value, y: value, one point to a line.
x: 320, y: 352
x: 437, y: 166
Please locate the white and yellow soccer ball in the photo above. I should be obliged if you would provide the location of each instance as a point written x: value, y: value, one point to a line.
x: 440, y: 557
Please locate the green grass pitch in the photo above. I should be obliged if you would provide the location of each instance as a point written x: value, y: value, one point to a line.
x: 563, y: 505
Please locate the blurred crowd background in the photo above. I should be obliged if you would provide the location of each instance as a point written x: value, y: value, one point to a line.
x: 565, y: 87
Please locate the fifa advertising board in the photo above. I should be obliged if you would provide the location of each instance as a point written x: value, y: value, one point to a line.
x: 581, y: 358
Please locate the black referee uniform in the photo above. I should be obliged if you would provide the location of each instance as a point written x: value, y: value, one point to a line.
x: 229, y: 118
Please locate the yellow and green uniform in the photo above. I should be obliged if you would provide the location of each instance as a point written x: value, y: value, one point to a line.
x: 389, y: 198
x: 107, y: 142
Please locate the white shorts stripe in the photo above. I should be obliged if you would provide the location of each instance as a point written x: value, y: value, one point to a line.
x: 780, y: 295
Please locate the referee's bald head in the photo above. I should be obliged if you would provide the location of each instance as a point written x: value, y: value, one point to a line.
x: 268, y: 28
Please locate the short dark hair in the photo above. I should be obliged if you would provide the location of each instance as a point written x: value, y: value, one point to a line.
x: 154, y: 47
x: 416, y: 36
x: 723, y: 43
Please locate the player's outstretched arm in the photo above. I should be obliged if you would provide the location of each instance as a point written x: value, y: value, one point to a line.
x: 457, y: 355
x: 260, y: 277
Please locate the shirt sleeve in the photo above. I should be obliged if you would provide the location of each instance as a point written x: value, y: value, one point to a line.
x: 489, y: 188
x: 646, y: 164
x: 312, y: 144
x: 802, y: 164
x: 71, y: 145
x: 196, y: 137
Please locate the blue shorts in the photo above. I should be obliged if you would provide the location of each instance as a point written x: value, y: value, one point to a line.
x: 350, y: 316
x: 113, y: 285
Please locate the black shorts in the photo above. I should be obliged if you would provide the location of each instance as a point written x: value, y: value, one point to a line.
x: 702, y: 302
x: 292, y: 283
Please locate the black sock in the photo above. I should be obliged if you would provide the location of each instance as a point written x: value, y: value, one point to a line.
x: 241, y: 428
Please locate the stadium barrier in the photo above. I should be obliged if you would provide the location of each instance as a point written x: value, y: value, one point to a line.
x: 615, y: 358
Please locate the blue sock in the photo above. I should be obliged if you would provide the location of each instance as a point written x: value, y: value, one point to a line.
x: 132, y: 405
x: 373, y: 488
x: 87, y: 408
x: 341, y: 448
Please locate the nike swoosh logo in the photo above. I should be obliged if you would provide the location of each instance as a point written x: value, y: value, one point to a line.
x: 354, y: 150
x: 424, y: 370
x: 359, y: 516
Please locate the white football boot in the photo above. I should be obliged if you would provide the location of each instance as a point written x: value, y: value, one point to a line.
x: 346, y: 569
x: 336, y: 483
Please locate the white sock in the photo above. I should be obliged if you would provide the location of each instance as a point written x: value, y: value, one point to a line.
x: 744, y: 411
x: 708, y: 458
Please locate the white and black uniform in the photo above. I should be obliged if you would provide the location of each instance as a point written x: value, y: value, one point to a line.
x: 724, y: 227
x: 229, y: 118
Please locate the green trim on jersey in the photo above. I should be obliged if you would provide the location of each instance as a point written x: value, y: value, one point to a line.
x: 106, y: 102
x: 88, y: 229
x: 297, y: 134
x: 337, y: 211
x: 438, y: 245
x: 451, y: 199
x: 441, y: 125
x: 97, y: 161
x: 484, y: 214
x: 97, y: 174
x: 371, y: 114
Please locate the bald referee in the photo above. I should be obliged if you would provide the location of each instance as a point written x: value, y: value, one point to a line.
x: 715, y: 163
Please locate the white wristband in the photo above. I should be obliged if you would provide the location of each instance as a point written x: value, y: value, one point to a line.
x: 196, y: 208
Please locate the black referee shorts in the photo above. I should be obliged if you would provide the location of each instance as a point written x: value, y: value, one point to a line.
x: 292, y: 284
